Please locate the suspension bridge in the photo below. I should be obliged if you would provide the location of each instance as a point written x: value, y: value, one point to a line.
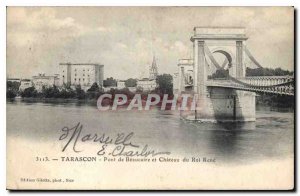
x: 233, y: 96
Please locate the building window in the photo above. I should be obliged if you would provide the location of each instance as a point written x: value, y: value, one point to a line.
x: 75, y: 74
x: 83, y: 75
x: 83, y: 79
x: 75, y: 70
x: 75, y: 79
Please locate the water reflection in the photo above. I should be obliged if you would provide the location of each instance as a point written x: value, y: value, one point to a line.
x: 225, y: 144
x: 271, y: 136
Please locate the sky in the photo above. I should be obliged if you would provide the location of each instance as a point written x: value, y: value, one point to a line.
x: 125, y: 39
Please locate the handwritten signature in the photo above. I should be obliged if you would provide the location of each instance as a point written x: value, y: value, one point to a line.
x: 122, y: 144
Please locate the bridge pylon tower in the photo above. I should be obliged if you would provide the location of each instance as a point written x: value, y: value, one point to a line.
x: 220, y: 104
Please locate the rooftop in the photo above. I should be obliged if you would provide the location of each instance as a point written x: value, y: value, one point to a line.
x: 224, y: 33
x: 44, y: 76
x: 13, y: 78
x: 185, y: 62
x: 97, y: 64
x: 146, y: 79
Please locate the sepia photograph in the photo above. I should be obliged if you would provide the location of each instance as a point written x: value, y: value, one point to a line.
x: 150, y: 98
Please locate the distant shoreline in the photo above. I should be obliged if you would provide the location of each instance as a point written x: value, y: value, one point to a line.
x: 52, y: 100
x: 259, y: 102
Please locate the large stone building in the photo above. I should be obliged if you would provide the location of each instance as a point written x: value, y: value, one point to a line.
x: 146, y: 84
x: 25, y: 83
x: 42, y: 80
x: 84, y: 74
x: 121, y: 84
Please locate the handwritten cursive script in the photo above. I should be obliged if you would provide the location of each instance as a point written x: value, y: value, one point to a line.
x: 122, y: 144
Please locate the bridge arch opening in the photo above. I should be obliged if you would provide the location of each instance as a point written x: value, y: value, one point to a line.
x: 225, y: 61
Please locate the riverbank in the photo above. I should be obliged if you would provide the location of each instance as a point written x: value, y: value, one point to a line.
x: 262, y: 101
x: 52, y: 100
x: 282, y: 101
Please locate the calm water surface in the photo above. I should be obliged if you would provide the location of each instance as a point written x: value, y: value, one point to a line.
x: 270, y: 137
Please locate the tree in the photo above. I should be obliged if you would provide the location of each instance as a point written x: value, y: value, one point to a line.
x: 267, y: 72
x: 12, y: 89
x: 94, y: 87
x: 109, y: 82
x: 13, y: 85
x: 165, y: 84
x: 94, y: 91
x: 67, y: 92
x: 125, y: 91
x: 50, y: 92
x: 29, y: 92
x: 67, y: 86
x: 80, y: 94
x: 130, y: 82
x: 139, y: 89
x: 220, y: 73
x: 10, y: 94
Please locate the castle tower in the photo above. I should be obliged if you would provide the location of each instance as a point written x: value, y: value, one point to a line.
x: 153, y: 70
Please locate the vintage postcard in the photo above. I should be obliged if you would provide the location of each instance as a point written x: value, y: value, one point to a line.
x: 150, y: 98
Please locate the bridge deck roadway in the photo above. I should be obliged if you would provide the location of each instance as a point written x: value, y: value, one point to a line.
x: 228, y: 84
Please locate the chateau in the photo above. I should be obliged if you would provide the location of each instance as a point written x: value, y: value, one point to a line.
x: 84, y: 74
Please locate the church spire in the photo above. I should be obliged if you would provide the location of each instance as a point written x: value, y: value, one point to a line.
x: 153, y: 69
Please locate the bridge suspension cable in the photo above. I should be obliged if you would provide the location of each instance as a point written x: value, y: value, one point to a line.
x: 216, y: 64
x: 251, y: 57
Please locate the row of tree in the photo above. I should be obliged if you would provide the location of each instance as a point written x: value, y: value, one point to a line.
x: 165, y: 86
x: 253, y: 72
x: 276, y: 100
x: 12, y: 89
x: 267, y: 72
x: 66, y: 92
x: 219, y: 74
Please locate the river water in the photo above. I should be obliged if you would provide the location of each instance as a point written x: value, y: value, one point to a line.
x: 270, y: 137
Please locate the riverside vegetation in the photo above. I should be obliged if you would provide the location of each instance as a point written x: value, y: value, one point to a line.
x: 164, y: 83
